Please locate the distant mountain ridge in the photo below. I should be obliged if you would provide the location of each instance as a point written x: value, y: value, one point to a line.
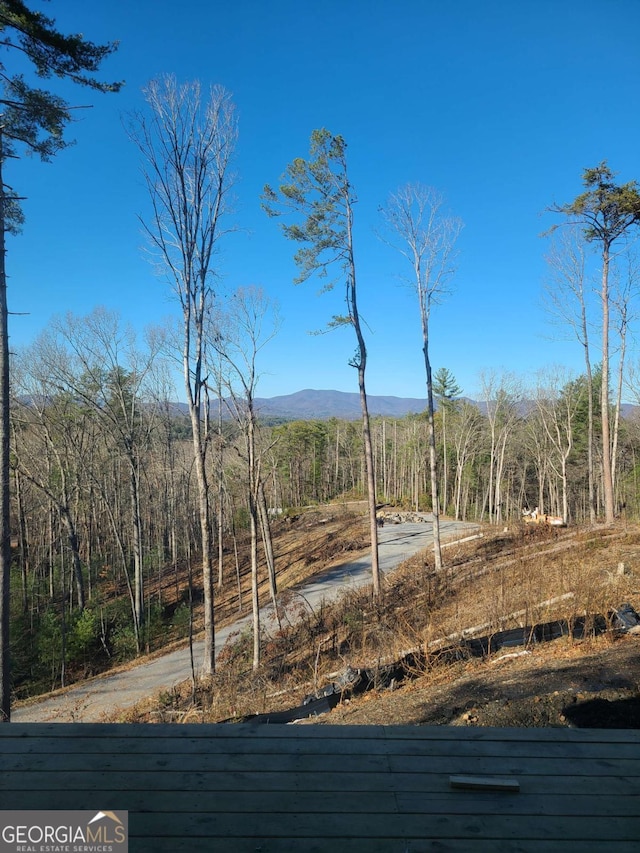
x: 312, y: 404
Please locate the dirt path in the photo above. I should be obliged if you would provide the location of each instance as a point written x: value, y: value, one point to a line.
x: 92, y: 700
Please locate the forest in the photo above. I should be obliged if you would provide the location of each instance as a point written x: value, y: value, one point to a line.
x: 106, y: 501
x: 109, y: 485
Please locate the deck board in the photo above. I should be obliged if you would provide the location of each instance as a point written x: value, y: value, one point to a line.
x: 315, y: 788
x: 327, y: 803
x: 329, y: 763
x: 382, y: 845
x: 247, y: 731
x: 257, y: 745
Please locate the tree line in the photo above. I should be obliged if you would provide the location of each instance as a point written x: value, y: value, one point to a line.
x: 106, y: 498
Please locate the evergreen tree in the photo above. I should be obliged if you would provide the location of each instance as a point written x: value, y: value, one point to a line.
x: 446, y: 389
x: 319, y: 193
x: 33, y: 119
x: 608, y: 212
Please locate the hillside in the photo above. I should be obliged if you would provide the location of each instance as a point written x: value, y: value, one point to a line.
x: 517, y: 577
x: 315, y: 404
x: 591, y: 684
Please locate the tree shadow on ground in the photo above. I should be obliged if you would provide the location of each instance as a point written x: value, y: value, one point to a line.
x: 589, y: 691
x: 605, y: 713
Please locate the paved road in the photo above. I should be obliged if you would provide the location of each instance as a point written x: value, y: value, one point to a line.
x: 91, y: 700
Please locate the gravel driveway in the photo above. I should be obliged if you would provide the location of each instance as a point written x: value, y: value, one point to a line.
x: 91, y: 700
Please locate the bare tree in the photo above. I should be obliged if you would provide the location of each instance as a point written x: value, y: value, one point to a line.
x: 466, y: 428
x: 187, y: 142
x: 421, y: 231
x: 567, y: 298
x: 98, y: 361
x: 557, y: 400
x: 537, y: 454
x: 622, y: 300
x: 51, y: 438
x: 501, y: 397
x: 242, y: 332
x: 608, y: 213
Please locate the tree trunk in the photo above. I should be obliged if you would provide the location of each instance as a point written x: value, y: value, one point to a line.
x: 192, y: 373
x: 209, y: 656
x: 361, y: 363
x: 220, y: 475
x: 371, y: 484
x: 433, y: 463
x: 23, y: 542
x: 265, y: 529
x: 618, y: 403
x: 5, y: 518
x: 137, y: 548
x: 587, y: 361
x: 117, y: 532
x: 253, y: 520
x: 607, y: 475
x: 445, y: 461
x: 72, y: 536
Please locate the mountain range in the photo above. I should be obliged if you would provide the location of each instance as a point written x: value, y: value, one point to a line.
x: 321, y: 405
x: 311, y: 404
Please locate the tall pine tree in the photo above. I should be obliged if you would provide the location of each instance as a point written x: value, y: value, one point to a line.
x: 608, y: 212
x: 35, y: 120
x: 319, y: 194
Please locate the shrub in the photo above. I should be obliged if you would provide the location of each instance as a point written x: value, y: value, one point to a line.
x: 83, y: 637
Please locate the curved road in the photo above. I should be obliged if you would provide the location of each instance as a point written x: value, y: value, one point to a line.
x: 91, y: 700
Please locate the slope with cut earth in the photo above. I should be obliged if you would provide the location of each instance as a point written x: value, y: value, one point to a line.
x: 505, y: 579
x: 110, y: 694
x: 591, y: 683
x: 446, y: 648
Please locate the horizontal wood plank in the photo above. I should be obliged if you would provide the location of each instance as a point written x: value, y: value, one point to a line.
x: 321, y: 732
x: 267, y: 780
x: 199, y: 762
x: 255, y: 745
x: 488, y: 733
x: 515, y: 765
x: 310, y: 788
x: 326, y: 802
x: 373, y: 845
x: 416, y: 826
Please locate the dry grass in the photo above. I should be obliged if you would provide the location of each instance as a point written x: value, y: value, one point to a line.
x: 502, y: 581
x: 304, y: 544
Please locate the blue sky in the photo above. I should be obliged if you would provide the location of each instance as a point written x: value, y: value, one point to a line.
x: 499, y: 105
